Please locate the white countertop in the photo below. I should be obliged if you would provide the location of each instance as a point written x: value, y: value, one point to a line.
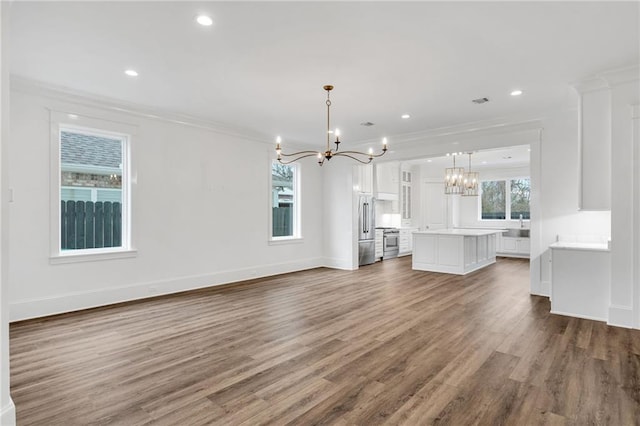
x: 462, y: 232
x: 571, y: 245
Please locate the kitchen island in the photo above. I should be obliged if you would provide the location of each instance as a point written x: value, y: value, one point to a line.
x: 454, y: 251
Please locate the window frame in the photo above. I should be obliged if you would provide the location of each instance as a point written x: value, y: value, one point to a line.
x: 507, y: 198
x: 297, y: 206
x: 62, y: 122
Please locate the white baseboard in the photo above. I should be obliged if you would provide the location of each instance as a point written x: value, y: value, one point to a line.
x: 35, y: 308
x: 339, y: 264
x: 579, y: 316
x: 8, y: 414
x: 620, y: 316
x: 544, y: 290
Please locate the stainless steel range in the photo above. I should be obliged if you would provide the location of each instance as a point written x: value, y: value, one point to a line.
x: 391, y: 242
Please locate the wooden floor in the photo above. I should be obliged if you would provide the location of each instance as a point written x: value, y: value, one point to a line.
x: 382, y: 345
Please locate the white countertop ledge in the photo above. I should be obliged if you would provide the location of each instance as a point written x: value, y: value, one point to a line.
x: 569, y: 245
x: 461, y: 232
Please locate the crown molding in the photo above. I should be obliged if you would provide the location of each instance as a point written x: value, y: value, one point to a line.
x: 621, y: 75
x: 608, y: 79
x: 592, y: 84
x: 462, y: 132
x: 65, y: 94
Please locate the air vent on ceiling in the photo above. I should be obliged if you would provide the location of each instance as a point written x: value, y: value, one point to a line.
x: 480, y: 100
x: 366, y: 124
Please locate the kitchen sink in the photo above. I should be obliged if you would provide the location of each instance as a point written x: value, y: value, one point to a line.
x: 516, y: 233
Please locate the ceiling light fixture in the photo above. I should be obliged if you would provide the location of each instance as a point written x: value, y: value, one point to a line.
x: 131, y: 73
x: 405, y: 116
x: 362, y: 157
x: 453, y: 177
x: 516, y: 93
x: 204, y: 20
x: 470, y: 182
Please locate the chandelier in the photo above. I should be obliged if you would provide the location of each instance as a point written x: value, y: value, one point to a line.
x: 453, y: 177
x: 470, y: 182
x: 329, y: 153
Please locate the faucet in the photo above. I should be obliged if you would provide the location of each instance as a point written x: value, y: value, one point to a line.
x: 521, y: 221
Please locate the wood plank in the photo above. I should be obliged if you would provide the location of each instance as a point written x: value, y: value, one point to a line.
x: 381, y: 345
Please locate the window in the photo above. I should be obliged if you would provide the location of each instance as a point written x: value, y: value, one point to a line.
x: 493, y: 200
x: 520, y: 195
x: 502, y: 199
x: 284, y: 201
x: 92, y: 191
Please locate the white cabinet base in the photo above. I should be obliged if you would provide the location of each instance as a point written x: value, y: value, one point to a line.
x: 453, y: 254
x: 580, y: 283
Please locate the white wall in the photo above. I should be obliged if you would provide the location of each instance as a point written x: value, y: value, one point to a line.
x: 200, y: 212
x: 7, y: 409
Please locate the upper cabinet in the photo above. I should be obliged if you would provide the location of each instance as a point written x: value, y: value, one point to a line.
x: 405, y: 196
x: 595, y: 146
x: 387, y: 180
x: 363, y: 175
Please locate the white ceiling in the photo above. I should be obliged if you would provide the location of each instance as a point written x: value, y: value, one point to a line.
x: 261, y: 66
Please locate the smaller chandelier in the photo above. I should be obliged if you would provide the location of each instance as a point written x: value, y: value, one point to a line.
x: 470, y: 182
x: 453, y: 177
x: 329, y: 153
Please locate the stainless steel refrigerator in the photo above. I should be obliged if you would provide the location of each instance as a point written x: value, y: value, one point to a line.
x: 366, y: 230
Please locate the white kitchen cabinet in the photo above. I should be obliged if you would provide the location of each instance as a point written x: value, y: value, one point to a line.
x: 387, y: 180
x: 454, y: 251
x: 379, y: 244
x: 405, y: 241
x: 405, y: 195
x: 364, y: 177
x: 515, y: 247
x: 580, y: 280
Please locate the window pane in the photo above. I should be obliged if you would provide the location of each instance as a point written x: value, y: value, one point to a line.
x: 493, y: 200
x: 112, y: 195
x: 90, y: 193
x: 283, y: 199
x: 520, y: 195
x: 75, y: 194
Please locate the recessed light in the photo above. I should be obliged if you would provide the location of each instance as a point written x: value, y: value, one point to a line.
x: 428, y: 161
x: 516, y: 93
x: 131, y: 73
x: 484, y: 162
x: 72, y: 116
x: 204, y: 20
x: 405, y: 116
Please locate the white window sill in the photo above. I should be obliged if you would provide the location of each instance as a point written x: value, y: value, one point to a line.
x: 91, y: 256
x: 285, y: 240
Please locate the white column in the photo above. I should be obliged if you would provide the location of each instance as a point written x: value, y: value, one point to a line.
x: 625, y: 86
x: 7, y: 409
